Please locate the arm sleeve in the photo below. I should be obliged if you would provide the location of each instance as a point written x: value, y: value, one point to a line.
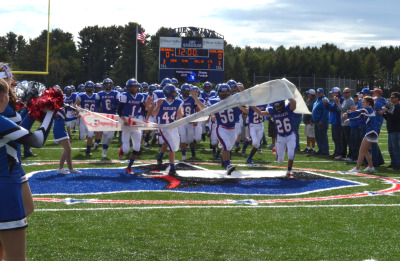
x: 24, y: 137
x: 120, y: 108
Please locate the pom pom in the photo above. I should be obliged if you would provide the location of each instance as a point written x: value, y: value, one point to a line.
x: 51, y: 99
x: 25, y: 90
x: 19, y: 106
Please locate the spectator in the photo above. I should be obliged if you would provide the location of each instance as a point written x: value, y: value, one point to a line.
x: 345, y: 127
x: 392, y: 117
x: 376, y: 154
x: 297, y: 122
x: 309, y: 126
x: 321, y: 123
x: 334, y: 120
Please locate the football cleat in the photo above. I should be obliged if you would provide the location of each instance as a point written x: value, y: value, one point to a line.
x: 172, y: 172
x: 230, y: 169
x: 128, y: 170
x: 289, y: 175
x: 120, y: 153
x: 104, y: 154
x: 250, y: 161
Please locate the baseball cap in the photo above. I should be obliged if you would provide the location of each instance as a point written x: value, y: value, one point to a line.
x: 320, y: 90
x: 378, y: 91
x: 335, y: 89
x: 310, y: 91
x: 365, y: 91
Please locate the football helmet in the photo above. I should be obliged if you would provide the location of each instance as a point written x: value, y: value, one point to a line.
x: 169, y: 91
x: 108, y: 84
x: 164, y: 82
x: 224, y: 91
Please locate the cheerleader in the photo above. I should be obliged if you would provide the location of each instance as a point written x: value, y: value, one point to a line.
x: 61, y: 136
x: 12, y: 213
x: 371, y: 136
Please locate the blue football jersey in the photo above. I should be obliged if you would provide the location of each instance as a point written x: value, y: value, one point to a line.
x: 70, y: 100
x: 168, y: 111
x: 253, y: 117
x: 225, y: 118
x: 109, y: 102
x: 284, y: 120
x: 189, y: 106
x: 207, y: 96
x: 88, y: 103
x: 133, y: 104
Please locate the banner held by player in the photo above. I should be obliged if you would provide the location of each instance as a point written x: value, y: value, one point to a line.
x: 267, y: 92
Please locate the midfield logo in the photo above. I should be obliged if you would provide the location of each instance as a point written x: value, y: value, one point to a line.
x: 189, y: 179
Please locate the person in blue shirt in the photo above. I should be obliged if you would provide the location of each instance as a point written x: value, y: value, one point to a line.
x: 87, y: 101
x: 256, y: 131
x: 168, y: 110
x: 371, y: 136
x: 107, y: 102
x: 61, y: 136
x: 13, y: 220
x: 335, y: 122
x: 225, y: 128
x: 131, y: 103
x: 199, y: 127
x: 186, y: 132
x: 283, y: 117
x: 320, y: 118
x: 380, y: 102
x: 69, y: 101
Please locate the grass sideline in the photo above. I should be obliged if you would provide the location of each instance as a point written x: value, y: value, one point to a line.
x: 345, y: 229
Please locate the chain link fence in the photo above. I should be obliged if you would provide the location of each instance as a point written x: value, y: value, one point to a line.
x: 303, y: 84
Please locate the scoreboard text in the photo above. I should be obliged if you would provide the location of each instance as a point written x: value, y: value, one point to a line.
x: 204, y: 54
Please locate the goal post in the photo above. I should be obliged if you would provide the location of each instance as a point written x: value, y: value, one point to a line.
x: 48, y: 49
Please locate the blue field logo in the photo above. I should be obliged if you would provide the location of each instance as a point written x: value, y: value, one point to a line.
x: 189, y: 178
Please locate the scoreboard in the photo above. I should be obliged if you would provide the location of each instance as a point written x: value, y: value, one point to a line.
x: 191, y: 59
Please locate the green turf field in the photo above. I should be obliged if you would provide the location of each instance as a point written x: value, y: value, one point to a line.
x: 363, y: 228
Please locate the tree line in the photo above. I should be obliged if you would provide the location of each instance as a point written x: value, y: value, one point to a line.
x: 103, y: 52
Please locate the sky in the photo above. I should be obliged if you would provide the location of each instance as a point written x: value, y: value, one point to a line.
x: 349, y: 24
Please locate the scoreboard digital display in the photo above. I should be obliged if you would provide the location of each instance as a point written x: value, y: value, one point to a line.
x: 196, y: 54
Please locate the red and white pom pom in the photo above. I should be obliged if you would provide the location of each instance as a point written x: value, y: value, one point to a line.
x: 51, y: 99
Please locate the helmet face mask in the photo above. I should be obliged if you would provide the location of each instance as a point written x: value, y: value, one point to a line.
x: 185, y: 90
x: 89, y: 87
x: 133, y: 89
x: 68, y: 91
x: 279, y: 106
x: 233, y: 85
x: 207, y: 87
x: 108, y: 84
x: 170, y: 91
x: 132, y: 86
x: 224, y: 91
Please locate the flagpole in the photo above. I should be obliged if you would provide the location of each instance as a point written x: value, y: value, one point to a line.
x: 137, y: 31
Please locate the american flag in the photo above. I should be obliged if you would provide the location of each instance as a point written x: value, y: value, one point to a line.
x: 141, y: 36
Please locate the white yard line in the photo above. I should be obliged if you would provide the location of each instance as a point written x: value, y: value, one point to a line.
x: 191, y: 207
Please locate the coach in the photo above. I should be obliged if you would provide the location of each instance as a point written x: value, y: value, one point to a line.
x: 321, y: 123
